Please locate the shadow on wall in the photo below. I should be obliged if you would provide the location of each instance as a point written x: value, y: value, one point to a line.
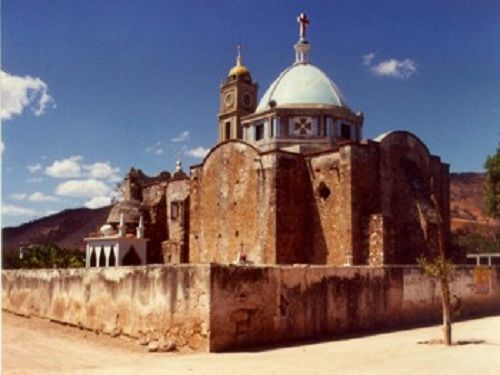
x: 416, y: 224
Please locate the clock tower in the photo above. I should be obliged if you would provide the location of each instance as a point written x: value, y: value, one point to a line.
x: 238, y: 98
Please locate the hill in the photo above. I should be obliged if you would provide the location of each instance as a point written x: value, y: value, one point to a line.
x: 66, y: 229
x: 467, y: 202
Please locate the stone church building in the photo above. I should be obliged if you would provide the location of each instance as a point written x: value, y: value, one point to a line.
x: 291, y: 180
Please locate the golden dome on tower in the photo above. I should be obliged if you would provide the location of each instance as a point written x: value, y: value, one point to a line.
x: 239, y: 69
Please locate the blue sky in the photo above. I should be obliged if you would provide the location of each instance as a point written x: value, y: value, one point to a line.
x: 91, y: 88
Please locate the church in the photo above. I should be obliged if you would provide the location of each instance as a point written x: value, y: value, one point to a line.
x: 290, y: 181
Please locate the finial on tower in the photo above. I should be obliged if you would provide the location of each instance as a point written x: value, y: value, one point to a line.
x: 178, y: 162
x: 139, y: 232
x: 238, y: 55
x: 121, y: 227
x: 178, y: 166
x: 302, y: 47
x: 239, y: 68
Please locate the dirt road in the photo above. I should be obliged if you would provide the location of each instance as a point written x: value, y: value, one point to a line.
x: 34, y: 346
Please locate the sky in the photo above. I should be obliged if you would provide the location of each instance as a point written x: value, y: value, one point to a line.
x: 92, y: 88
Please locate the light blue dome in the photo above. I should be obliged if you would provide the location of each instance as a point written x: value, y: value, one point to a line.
x: 302, y: 84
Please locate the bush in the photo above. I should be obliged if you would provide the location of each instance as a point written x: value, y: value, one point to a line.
x: 51, y: 256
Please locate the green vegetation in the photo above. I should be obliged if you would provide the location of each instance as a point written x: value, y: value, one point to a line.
x: 465, y: 242
x: 45, y: 256
x: 492, y: 189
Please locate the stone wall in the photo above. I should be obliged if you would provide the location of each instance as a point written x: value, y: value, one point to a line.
x: 276, y: 305
x: 148, y: 303
x: 232, y: 206
x: 409, y: 177
x: 176, y: 248
x: 224, y: 307
x: 368, y: 203
x: 330, y: 208
x: 294, y: 221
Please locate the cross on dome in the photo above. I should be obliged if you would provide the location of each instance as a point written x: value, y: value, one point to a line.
x: 302, y: 47
x: 304, y: 22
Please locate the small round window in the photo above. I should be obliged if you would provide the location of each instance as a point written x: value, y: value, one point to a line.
x: 323, y: 191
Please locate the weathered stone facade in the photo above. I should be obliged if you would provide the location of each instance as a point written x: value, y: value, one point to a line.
x: 359, y: 203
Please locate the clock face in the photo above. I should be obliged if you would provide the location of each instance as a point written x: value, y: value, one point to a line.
x: 229, y: 100
x: 247, y: 99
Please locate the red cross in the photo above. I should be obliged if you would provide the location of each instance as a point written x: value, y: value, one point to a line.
x: 302, y: 19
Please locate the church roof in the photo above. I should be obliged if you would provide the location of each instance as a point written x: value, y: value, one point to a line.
x: 302, y: 83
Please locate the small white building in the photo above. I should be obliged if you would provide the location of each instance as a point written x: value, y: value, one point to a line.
x: 115, y: 247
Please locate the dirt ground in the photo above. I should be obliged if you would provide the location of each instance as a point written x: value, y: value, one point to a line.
x: 35, y: 346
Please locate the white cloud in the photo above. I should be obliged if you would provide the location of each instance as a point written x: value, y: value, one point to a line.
x: 395, y: 68
x: 11, y: 210
x: 65, y: 168
x: 34, y: 167
x: 50, y: 212
x: 402, y: 69
x: 102, y: 170
x: 198, y: 152
x: 184, y: 136
x: 40, y: 197
x: 156, y: 149
x: 34, y: 197
x: 367, y: 59
x: 72, y: 167
x: 83, y: 188
x: 2, y: 147
x: 98, y: 202
x: 21, y: 92
x: 19, y: 196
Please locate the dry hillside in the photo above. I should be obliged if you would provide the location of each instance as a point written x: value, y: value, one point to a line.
x: 66, y: 229
x: 467, y: 201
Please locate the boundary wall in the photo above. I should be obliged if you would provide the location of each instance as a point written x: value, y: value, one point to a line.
x: 215, y: 307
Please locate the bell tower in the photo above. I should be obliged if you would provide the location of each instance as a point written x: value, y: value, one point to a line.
x: 238, y: 98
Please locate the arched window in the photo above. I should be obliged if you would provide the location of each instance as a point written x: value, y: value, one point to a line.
x: 112, y: 258
x: 102, y: 258
x: 92, y: 258
x: 131, y: 258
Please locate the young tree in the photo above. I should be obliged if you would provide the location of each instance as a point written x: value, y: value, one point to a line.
x: 492, y: 188
x: 442, y: 269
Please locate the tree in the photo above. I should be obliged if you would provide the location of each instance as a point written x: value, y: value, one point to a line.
x: 442, y: 269
x: 492, y: 188
x: 51, y: 256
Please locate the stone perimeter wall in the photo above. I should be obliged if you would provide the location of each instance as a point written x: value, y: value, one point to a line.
x: 223, y: 307
x: 146, y: 302
x: 272, y: 305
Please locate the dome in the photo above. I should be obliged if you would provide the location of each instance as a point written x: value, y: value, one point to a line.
x: 107, y: 230
x: 132, y: 210
x: 302, y: 83
x: 238, y: 70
